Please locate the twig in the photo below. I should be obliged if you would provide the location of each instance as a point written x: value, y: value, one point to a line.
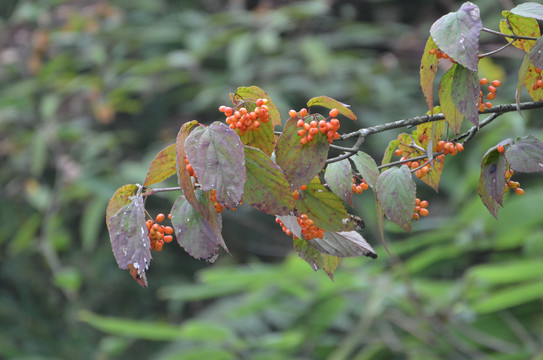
x: 512, y: 36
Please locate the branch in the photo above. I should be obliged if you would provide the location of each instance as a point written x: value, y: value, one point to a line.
x: 512, y: 36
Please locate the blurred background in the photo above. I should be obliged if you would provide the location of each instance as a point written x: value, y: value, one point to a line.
x: 91, y: 90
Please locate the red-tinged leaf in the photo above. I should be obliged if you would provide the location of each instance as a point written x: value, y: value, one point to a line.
x: 493, y: 166
x: 520, y: 26
x: 428, y: 68
x: 266, y: 188
x: 433, y: 177
x: 430, y: 131
x: 339, y: 178
x: 140, y: 279
x: 408, y: 150
x: 217, y: 157
x: 367, y: 167
x: 465, y: 93
x: 323, y: 207
x: 530, y: 77
x: 343, y: 244
x: 300, y: 163
x: 254, y: 93
x: 396, y: 193
x: 457, y: 34
x: 453, y: 117
x: 389, y: 151
x: 122, y: 197
x: 536, y: 56
x: 193, y: 231
x: 329, y: 103
x: 529, y: 9
x: 162, y: 167
x: 183, y: 176
x: 315, y: 259
x: 525, y: 155
x: 129, y: 237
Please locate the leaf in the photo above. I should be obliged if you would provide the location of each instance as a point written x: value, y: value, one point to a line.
x: 453, y: 117
x: 121, y: 198
x: 343, y: 244
x: 530, y: 77
x: 300, y: 163
x: 525, y: 155
x: 520, y: 26
x: 323, y: 207
x: 367, y: 167
x: 509, y: 297
x: 465, y: 93
x: 266, y: 188
x: 339, y: 178
x: 491, y: 204
x: 492, y: 179
x: 315, y: 259
x: 162, y: 167
x: 529, y: 9
x: 129, y: 237
x: 428, y: 68
x: 217, y: 157
x: 194, y: 233
x: 389, y: 151
x: 457, y: 34
x: 183, y: 176
x: 395, y: 191
x: 254, y: 93
x: 329, y: 103
x: 535, y: 55
x: 291, y: 223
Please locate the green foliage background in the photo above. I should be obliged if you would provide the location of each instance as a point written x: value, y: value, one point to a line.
x: 91, y: 91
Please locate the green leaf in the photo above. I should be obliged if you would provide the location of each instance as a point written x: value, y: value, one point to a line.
x: 129, y: 236
x: 529, y: 9
x: 395, y: 191
x: 343, y: 244
x: 367, y: 167
x: 506, y: 273
x: 315, y: 259
x: 529, y: 76
x: 457, y: 34
x: 183, y: 176
x: 509, y: 297
x: 329, y: 103
x: 339, y: 178
x: 389, y: 151
x: 300, y: 163
x: 162, y: 167
x: 428, y: 68
x: 121, y: 198
x: 323, y: 207
x: 520, y: 26
x: 194, y: 233
x: 465, y: 93
x: 453, y: 117
x: 266, y: 188
x: 217, y: 156
x: 525, y: 155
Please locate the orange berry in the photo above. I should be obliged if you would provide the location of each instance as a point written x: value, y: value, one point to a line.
x: 303, y: 112
x: 492, y: 89
x: 295, y: 195
x: 307, y: 126
x: 424, y: 203
x: 168, y: 230
x: 358, y: 189
x: 264, y: 108
x: 302, y: 132
x: 496, y: 83
x: 398, y: 152
x: 491, y: 96
x: 424, y: 212
x: 292, y: 113
x: 303, y: 187
x: 433, y: 51
x: 519, y: 191
x: 259, y: 102
x: 483, y: 81
x: 425, y: 169
x: 333, y: 113
x: 488, y: 104
x: 459, y: 147
x: 539, y: 83
x: 160, y: 217
x: 501, y: 149
x: 300, y: 123
x: 481, y: 107
x: 170, y: 216
x: 415, y: 164
x: 417, y: 201
x: 419, y: 174
x: 158, y: 246
x: 364, y: 185
x: 416, y: 216
x: 309, y: 137
x: 168, y: 238
x: 313, y: 131
x: 537, y: 70
x: 303, y: 140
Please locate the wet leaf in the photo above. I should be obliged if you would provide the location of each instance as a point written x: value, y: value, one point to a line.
x: 315, y: 259
x: 529, y: 9
x: 217, y: 157
x: 457, y: 34
x: 465, y: 93
x: 323, y: 207
x: 266, y: 188
x: 453, y: 117
x: 339, y: 178
x: 162, y: 167
x: 183, y: 176
x: 343, y: 244
x: 396, y: 194
x: 329, y: 103
x: 525, y: 155
x: 194, y: 233
x: 121, y: 198
x: 300, y: 163
x: 428, y: 68
x: 520, y: 26
x: 367, y: 167
x: 129, y: 237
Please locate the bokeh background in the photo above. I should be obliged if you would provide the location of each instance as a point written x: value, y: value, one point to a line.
x: 91, y: 90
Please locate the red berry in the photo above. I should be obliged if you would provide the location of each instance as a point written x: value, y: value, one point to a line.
x: 501, y: 149
x: 334, y: 113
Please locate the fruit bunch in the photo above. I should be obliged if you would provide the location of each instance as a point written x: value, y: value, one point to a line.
x: 218, y: 207
x: 492, y: 89
x: 309, y: 230
x: 420, y: 209
x: 189, y: 167
x: 159, y: 234
x: 359, y: 187
x: 513, y: 185
x: 242, y: 119
x: 440, y: 54
x: 310, y: 127
x: 538, y: 84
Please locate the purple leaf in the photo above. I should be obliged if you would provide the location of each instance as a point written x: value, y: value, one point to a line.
x: 465, y: 93
x: 367, y: 168
x: 218, y: 160
x: 493, y: 166
x: 525, y: 155
x: 343, y: 244
x: 395, y: 191
x: 457, y: 34
x: 529, y: 9
x: 536, y: 56
x: 338, y: 177
x: 183, y: 176
x: 129, y: 237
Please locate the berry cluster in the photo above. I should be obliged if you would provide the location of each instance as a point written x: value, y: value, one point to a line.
x: 241, y: 119
x: 492, y: 89
x: 218, y: 207
x: 420, y: 209
x: 513, y: 185
x: 440, y: 54
x: 538, y: 84
x: 283, y: 227
x: 159, y: 234
x: 312, y: 128
x: 189, y: 167
x: 309, y: 230
x: 359, y: 187
x: 449, y: 147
